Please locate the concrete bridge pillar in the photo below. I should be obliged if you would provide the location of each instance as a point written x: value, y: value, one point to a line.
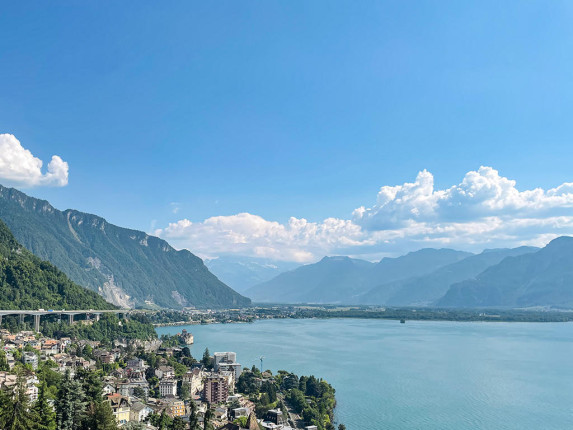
x: 97, y: 317
x: 37, y: 323
x: 22, y: 319
x: 71, y: 318
x: 1, y: 320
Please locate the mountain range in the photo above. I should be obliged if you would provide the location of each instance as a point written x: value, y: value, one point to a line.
x: 425, y: 290
x: 127, y: 267
x: 131, y: 268
x: 330, y: 280
x: 26, y: 282
x: 510, y: 278
x: 542, y: 278
x: 345, y: 280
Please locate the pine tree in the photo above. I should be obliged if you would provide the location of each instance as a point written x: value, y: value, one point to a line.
x: 70, y: 405
x: 208, y: 416
x: 177, y: 424
x: 5, y: 406
x: 184, y: 391
x: 46, y: 417
x: 15, y: 413
x: 91, y: 384
x: 100, y: 417
x: 162, y: 422
x: 4, y: 367
x: 206, y: 360
x: 193, y: 421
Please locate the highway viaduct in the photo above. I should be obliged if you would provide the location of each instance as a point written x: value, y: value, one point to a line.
x: 37, y: 314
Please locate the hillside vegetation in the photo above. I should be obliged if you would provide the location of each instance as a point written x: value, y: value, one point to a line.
x: 127, y: 267
x: 26, y: 282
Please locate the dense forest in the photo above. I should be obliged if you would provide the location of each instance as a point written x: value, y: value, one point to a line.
x: 106, y: 330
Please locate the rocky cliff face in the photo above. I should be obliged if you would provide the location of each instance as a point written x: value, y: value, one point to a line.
x: 127, y: 267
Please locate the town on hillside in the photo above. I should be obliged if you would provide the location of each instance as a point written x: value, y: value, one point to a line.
x: 155, y: 384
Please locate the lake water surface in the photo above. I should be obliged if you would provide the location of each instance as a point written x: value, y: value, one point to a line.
x: 418, y: 375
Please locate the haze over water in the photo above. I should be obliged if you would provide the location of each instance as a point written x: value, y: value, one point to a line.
x: 430, y: 375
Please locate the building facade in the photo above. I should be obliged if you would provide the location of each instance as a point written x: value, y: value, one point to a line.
x: 168, y: 387
x: 216, y: 389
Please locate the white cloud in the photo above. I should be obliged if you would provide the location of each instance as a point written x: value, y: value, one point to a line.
x: 481, y: 193
x: 18, y: 167
x: 484, y: 210
x: 247, y: 234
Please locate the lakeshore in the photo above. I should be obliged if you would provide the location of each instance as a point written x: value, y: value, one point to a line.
x: 422, y: 374
x: 140, y: 382
x: 266, y: 312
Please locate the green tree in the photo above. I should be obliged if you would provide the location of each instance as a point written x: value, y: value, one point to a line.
x: 44, y: 413
x: 270, y: 390
x: 241, y: 421
x: 162, y: 422
x: 247, y: 383
x: 184, y: 391
x: 88, y: 352
x: 92, y: 384
x: 70, y: 404
x: 47, y: 374
x: 207, y: 360
x: 133, y: 425
x: 208, y: 417
x: 302, y: 383
x: 311, y: 416
x: 15, y: 413
x: 100, y: 417
x: 177, y: 424
x: 296, y: 399
x: 3, y: 362
x: 290, y: 381
x: 193, y: 421
x: 341, y: 427
x: 139, y: 393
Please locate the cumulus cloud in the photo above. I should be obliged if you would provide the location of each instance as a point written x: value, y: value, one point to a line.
x: 247, y: 234
x: 484, y: 210
x: 482, y: 193
x: 18, y: 167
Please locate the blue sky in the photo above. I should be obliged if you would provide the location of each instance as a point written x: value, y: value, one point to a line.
x: 294, y: 109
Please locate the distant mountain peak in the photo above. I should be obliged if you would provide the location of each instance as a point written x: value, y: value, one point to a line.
x: 336, y: 258
x: 540, y: 278
x: 560, y: 241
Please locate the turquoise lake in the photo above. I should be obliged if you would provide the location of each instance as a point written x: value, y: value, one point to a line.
x: 418, y: 375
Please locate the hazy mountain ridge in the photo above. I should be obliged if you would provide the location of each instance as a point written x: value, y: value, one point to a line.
x: 425, y: 290
x: 518, y: 277
x: 344, y: 279
x: 125, y: 266
x: 241, y: 273
x: 542, y: 278
x: 308, y: 283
